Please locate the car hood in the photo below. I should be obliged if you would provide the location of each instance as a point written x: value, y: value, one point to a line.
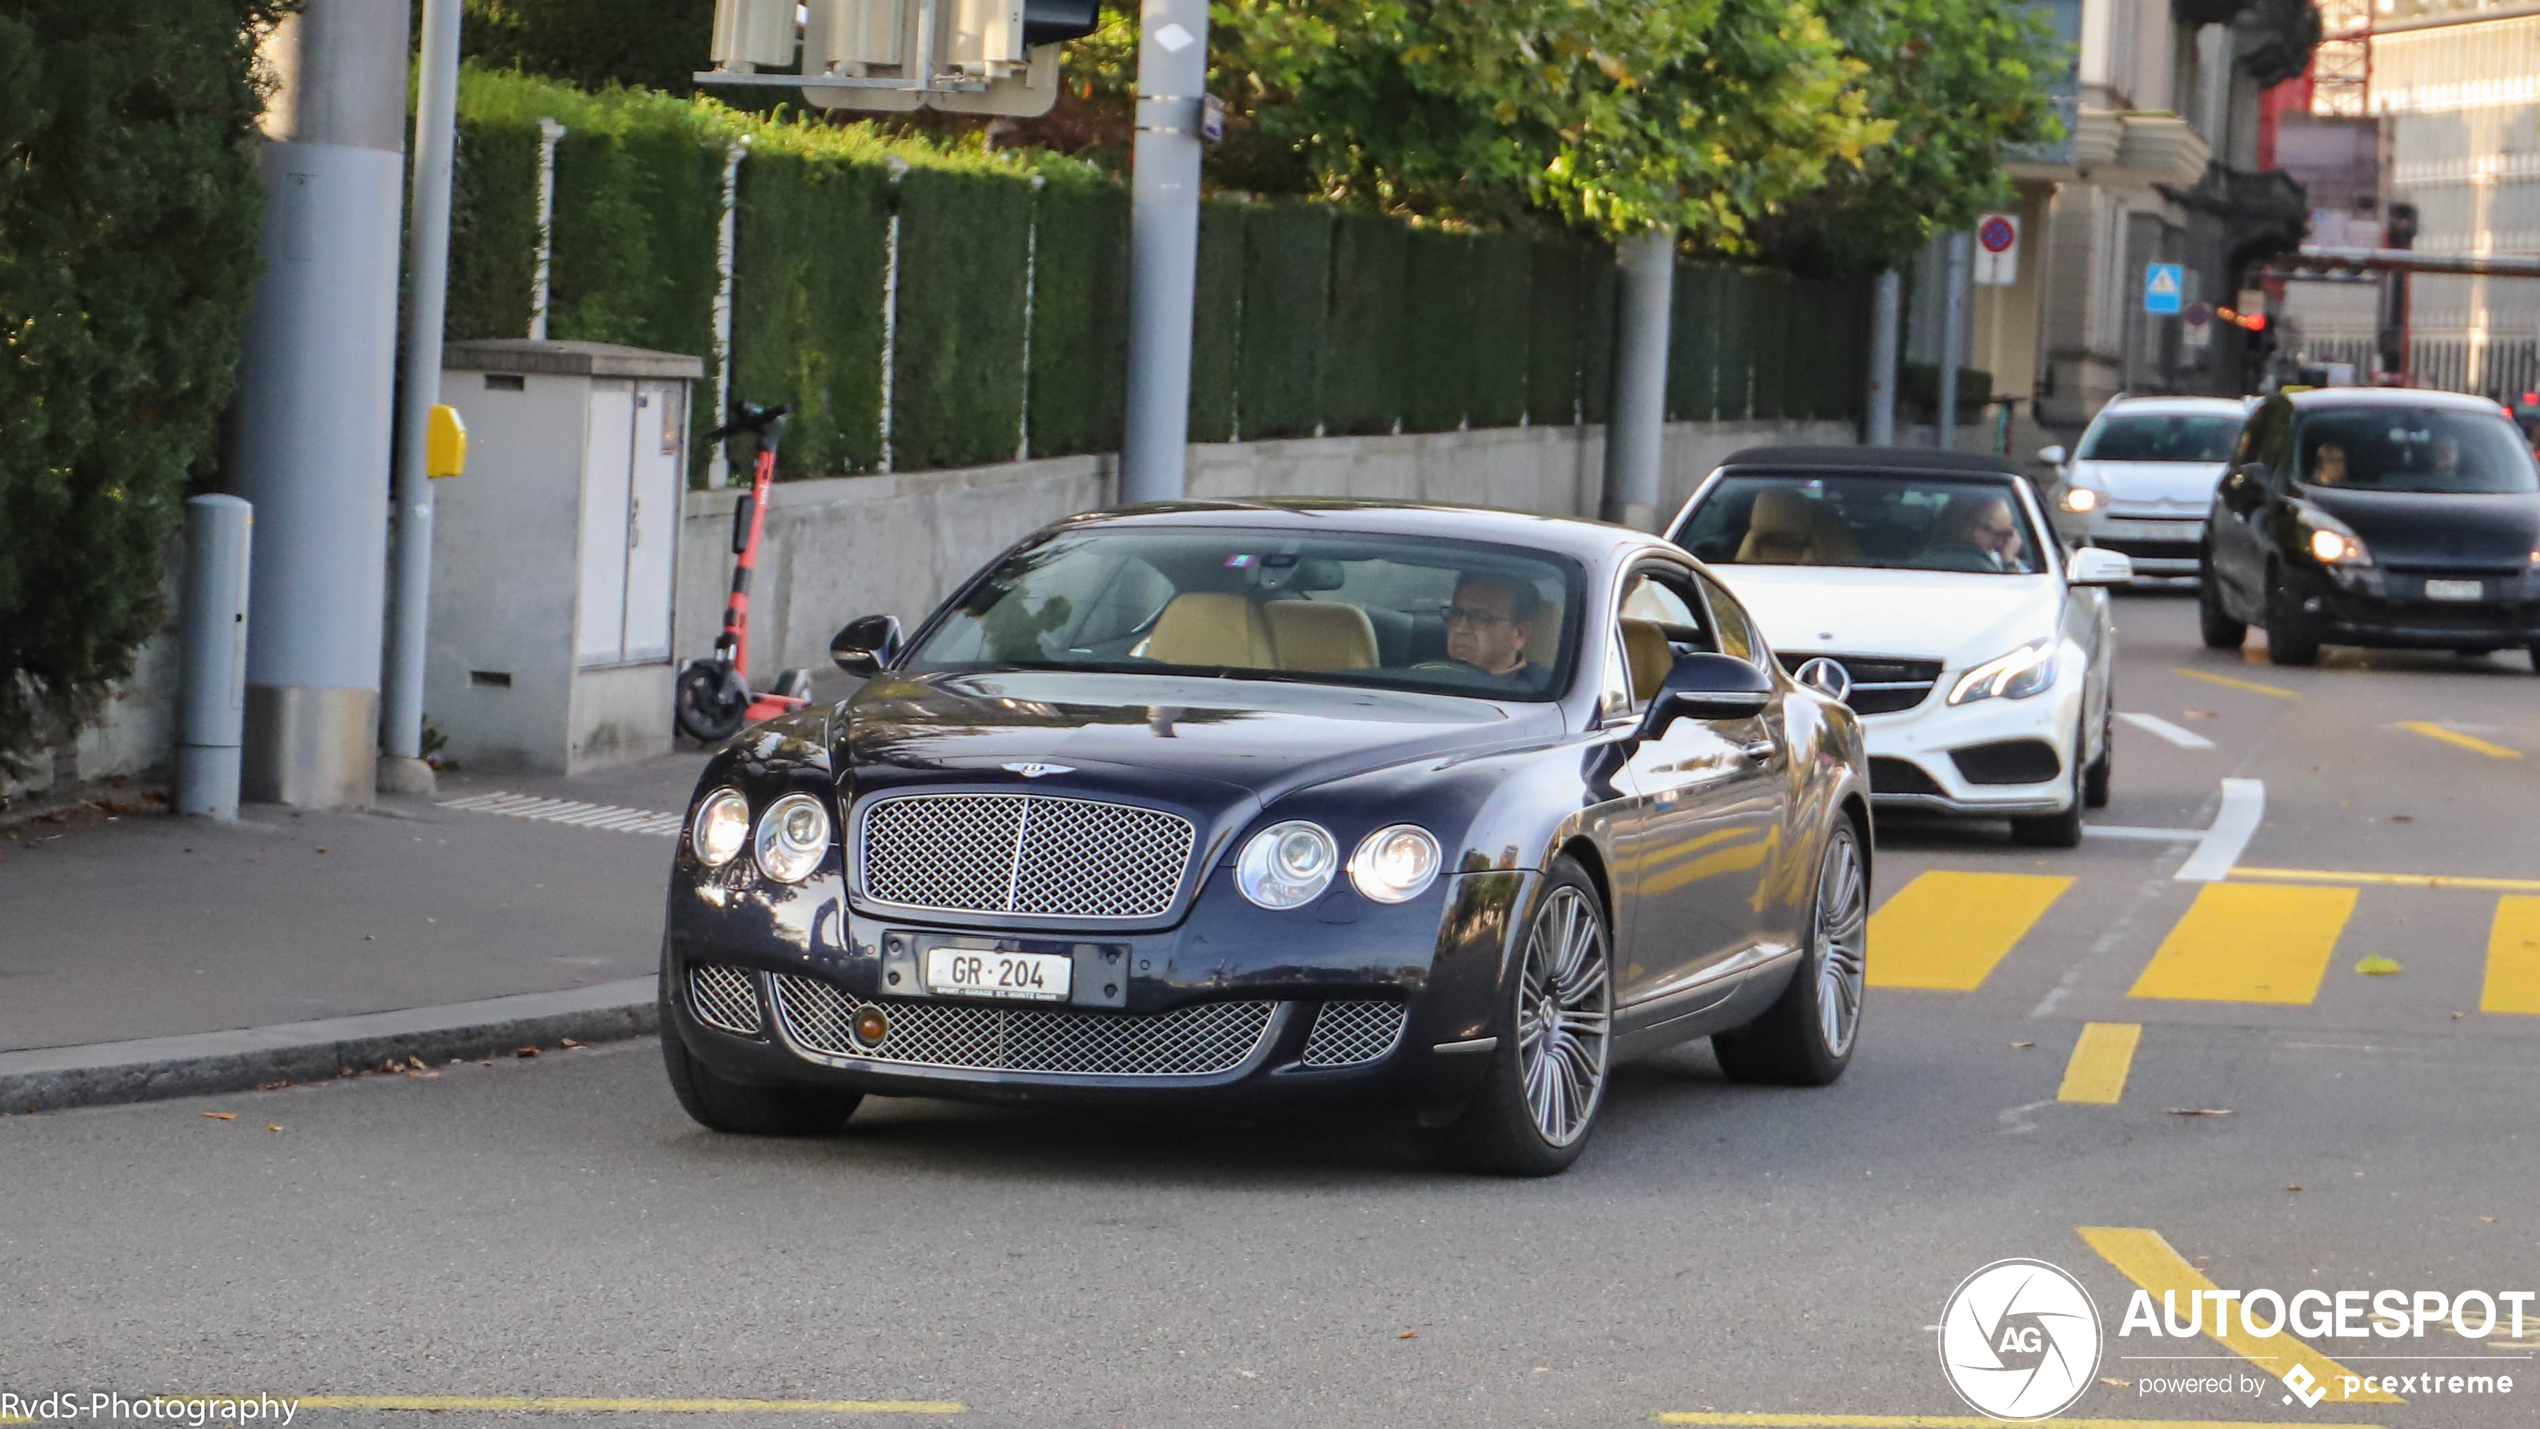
x: 2182, y: 488
x: 2407, y: 528
x: 1183, y: 739
x: 1958, y: 618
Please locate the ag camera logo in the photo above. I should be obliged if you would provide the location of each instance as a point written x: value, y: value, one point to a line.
x: 2019, y: 1340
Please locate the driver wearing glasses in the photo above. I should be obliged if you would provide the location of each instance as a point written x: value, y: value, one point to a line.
x: 1489, y: 623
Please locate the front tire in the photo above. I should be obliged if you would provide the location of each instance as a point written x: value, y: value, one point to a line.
x: 720, y: 1104
x: 2290, y: 640
x: 2096, y: 778
x: 1805, y: 1039
x: 1546, y: 1082
x: 2213, y: 622
x: 2057, y: 830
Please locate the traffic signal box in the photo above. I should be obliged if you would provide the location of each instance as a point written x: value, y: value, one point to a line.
x: 963, y: 56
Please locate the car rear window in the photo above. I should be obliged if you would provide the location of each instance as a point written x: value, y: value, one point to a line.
x: 2160, y: 436
x: 2423, y: 449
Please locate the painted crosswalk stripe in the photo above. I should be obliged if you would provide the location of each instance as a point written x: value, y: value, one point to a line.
x: 2249, y: 942
x: 2513, y: 958
x: 2101, y: 1061
x: 610, y: 817
x: 2147, y: 1259
x: 1946, y: 930
x: 2155, y: 725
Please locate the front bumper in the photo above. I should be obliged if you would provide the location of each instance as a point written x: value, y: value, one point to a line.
x: 1966, y: 759
x: 2163, y: 546
x: 2376, y: 607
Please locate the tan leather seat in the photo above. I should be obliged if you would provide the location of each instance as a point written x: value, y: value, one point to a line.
x: 1543, y: 643
x: 1646, y: 651
x: 1212, y: 628
x: 1321, y: 635
x: 1779, y: 531
x: 1830, y: 538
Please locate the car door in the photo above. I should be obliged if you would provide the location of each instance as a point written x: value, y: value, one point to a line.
x: 1706, y: 809
x: 2239, y: 524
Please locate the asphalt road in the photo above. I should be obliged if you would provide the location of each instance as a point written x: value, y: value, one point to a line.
x: 556, y: 1227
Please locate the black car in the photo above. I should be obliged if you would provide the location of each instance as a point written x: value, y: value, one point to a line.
x: 1425, y: 808
x: 2365, y: 516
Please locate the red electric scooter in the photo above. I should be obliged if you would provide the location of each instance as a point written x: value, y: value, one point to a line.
x: 711, y: 699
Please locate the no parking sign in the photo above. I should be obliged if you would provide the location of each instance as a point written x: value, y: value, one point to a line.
x: 1998, y: 250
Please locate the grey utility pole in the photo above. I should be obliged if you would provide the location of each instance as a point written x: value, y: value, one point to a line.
x: 219, y: 530
x: 1644, y: 301
x: 1163, y: 245
x: 1953, y: 337
x: 401, y: 766
x: 310, y: 430
x: 1887, y: 312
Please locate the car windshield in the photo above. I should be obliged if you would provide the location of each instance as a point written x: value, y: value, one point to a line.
x: 2424, y: 449
x: 2161, y: 436
x: 1398, y: 612
x: 1926, y: 523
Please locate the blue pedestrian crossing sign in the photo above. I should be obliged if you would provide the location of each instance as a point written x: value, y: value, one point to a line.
x: 2162, y: 288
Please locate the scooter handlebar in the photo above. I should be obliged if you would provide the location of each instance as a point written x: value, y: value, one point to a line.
x: 765, y: 423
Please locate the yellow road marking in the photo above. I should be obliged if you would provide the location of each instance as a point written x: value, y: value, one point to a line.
x: 2513, y: 958
x: 2101, y: 1060
x: 2143, y: 1257
x: 1946, y: 930
x: 2473, y: 743
x: 2395, y: 880
x: 538, y: 1404
x: 1951, y: 1421
x: 2231, y: 682
x: 2243, y: 942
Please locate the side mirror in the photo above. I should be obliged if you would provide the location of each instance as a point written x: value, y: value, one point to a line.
x: 1704, y: 685
x: 2096, y: 565
x: 864, y: 646
x: 2050, y: 456
x: 2245, y: 486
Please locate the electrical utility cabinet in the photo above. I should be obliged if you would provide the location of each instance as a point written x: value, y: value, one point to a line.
x: 554, y: 559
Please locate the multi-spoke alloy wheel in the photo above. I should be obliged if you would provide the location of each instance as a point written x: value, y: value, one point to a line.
x: 1843, y: 902
x: 1805, y: 1038
x: 1564, y: 1004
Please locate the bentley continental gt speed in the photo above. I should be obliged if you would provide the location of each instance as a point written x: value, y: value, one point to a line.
x: 1436, y: 810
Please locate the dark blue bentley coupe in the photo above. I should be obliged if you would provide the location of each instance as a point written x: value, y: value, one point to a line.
x: 1418, y: 807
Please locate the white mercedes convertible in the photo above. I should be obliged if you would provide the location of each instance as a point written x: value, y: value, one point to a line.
x: 1927, y: 590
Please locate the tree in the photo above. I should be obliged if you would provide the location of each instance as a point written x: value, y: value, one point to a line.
x: 656, y: 44
x: 130, y: 213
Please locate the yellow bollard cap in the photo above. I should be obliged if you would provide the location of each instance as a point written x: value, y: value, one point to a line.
x: 444, y: 443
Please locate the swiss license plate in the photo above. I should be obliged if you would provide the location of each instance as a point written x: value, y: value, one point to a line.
x: 2453, y: 590
x: 988, y: 972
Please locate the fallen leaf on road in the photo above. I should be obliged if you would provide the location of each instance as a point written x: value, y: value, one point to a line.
x: 2193, y: 713
x: 2377, y: 966
x: 2489, y: 1220
x: 2023, y: 1044
x: 2293, y: 1188
x: 1408, y: 1335
x: 2197, y: 1111
x: 321, y: 848
x: 2116, y: 1383
x: 2403, y: 818
x: 571, y: 1043
x: 269, y: 1126
x: 273, y: 1086
x: 222, y: 1115
x: 1543, y: 1369
x: 528, y: 1052
x: 414, y: 1061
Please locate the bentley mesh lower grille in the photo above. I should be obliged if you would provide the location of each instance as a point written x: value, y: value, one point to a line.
x: 723, y: 997
x: 1347, y: 1033
x: 1187, y: 1042
x: 1023, y: 853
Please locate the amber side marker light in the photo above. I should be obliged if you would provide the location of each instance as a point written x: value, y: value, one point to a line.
x: 871, y: 1026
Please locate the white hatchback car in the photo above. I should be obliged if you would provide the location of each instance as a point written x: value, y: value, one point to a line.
x: 1925, y: 590
x: 2142, y: 477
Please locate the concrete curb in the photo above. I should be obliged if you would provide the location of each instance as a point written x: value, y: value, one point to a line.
x: 53, y: 1078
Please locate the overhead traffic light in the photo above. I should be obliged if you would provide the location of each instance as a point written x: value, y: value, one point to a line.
x: 966, y: 56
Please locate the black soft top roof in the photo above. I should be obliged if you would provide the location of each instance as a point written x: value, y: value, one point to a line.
x: 1873, y: 461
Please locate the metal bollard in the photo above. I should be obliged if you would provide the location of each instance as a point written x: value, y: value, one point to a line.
x: 218, y: 531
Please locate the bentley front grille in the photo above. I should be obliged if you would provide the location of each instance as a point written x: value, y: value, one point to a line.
x: 723, y: 996
x: 1348, y: 1033
x: 1028, y: 854
x: 1191, y: 1041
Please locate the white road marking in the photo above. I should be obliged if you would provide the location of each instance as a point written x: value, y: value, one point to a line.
x: 2244, y: 803
x: 568, y: 811
x: 2166, y: 836
x: 2154, y: 724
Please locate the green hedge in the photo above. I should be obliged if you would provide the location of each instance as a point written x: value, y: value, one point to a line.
x: 957, y: 365
x: 1363, y: 362
x: 1438, y: 343
x: 1080, y: 317
x: 493, y: 229
x: 1554, y: 311
x: 1503, y: 281
x: 807, y: 306
x: 1596, y: 337
x: 1287, y: 308
x: 1217, y: 319
x: 1693, y: 343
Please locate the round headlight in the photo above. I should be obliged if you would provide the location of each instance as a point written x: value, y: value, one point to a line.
x: 721, y: 826
x: 1394, y: 864
x: 2081, y: 499
x: 793, y: 835
x: 1286, y: 865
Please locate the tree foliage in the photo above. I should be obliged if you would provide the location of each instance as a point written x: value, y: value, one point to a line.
x: 657, y: 44
x: 129, y: 220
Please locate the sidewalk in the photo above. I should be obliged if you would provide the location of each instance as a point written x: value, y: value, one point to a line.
x: 291, y: 943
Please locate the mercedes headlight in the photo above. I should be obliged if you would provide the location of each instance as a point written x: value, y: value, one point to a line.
x: 721, y: 826
x: 2015, y: 676
x: 793, y: 835
x: 1287, y: 865
x: 2330, y: 541
x: 1393, y: 865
